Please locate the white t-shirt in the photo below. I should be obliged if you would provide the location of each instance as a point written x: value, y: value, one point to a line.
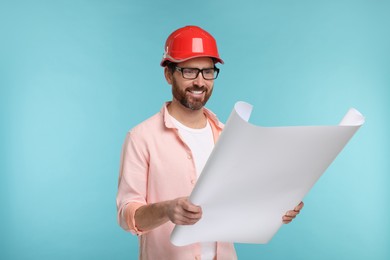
x: 201, y: 143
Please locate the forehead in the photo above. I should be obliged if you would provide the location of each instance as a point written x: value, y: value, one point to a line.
x: 202, y: 62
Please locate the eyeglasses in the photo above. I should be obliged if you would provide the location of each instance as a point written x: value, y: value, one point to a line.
x: 193, y: 73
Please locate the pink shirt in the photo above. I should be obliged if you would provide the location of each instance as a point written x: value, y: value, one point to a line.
x: 156, y: 165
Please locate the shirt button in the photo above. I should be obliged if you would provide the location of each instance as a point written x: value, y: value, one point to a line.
x: 189, y: 156
x: 193, y: 181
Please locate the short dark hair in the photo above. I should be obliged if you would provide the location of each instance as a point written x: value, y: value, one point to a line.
x: 171, y: 66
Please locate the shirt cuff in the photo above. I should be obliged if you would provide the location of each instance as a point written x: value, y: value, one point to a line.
x: 129, y: 216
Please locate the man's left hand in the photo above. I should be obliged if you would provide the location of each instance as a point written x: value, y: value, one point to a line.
x: 290, y: 215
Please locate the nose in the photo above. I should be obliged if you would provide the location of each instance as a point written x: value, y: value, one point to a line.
x: 199, y: 81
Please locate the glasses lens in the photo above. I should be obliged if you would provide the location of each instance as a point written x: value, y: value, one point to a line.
x: 209, y: 73
x: 189, y: 73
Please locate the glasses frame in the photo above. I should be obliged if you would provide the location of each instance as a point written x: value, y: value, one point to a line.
x: 180, y: 69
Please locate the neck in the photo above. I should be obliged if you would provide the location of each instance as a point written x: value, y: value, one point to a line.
x: 188, y: 117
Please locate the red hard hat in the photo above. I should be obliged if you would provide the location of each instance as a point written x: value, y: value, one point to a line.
x: 187, y: 43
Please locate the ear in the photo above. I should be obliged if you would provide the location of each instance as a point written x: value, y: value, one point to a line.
x: 168, y: 75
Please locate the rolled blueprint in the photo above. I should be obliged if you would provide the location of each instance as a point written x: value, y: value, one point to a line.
x: 256, y: 174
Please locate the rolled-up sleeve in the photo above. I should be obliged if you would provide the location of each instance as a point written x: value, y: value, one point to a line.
x: 132, y: 183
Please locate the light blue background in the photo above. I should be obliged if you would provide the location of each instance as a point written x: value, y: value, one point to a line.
x: 75, y: 76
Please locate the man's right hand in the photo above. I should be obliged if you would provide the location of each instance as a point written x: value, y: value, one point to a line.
x: 181, y: 211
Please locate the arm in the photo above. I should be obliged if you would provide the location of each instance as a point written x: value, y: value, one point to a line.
x: 179, y: 211
x: 290, y: 215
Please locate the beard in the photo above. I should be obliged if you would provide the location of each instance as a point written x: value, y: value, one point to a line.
x: 188, y: 101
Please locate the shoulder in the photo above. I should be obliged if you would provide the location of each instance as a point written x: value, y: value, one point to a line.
x: 151, y: 125
x: 140, y: 136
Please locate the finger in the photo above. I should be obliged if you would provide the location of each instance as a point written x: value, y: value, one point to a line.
x: 191, y: 215
x: 299, y: 207
x: 291, y: 214
x: 185, y: 221
x: 287, y: 219
x: 187, y: 211
x: 185, y: 218
x: 182, y: 218
x: 189, y: 207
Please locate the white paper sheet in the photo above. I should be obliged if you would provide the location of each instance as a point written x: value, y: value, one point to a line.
x: 255, y: 174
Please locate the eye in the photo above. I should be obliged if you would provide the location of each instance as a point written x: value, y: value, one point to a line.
x: 190, y: 71
x: 208, y: 72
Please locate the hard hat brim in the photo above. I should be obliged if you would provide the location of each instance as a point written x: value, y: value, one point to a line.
x: 168, y: 59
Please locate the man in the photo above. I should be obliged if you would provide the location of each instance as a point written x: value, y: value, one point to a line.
x: 163, y: 156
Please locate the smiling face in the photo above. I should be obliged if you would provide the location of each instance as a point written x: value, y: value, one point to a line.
x: 191, y: 93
